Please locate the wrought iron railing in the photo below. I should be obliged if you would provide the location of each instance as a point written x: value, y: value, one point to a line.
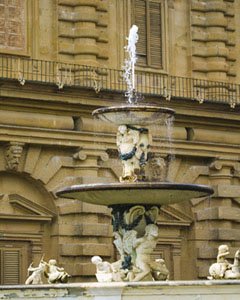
x: 64, y: 74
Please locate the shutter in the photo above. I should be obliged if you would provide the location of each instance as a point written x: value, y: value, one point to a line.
x: 140, y: 19
x: 10, y: 265
x: 155, y: 39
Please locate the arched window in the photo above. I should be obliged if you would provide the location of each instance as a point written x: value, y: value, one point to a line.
x: 148, y: 16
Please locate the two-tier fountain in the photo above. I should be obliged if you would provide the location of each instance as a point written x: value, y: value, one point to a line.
x: 135, y: 201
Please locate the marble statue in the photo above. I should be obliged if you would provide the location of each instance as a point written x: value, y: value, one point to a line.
x: 133, y: 145
x: 222, y: 269
x: 144, y: 247
x: 37, y: 273
x: 104, y: 269
x: 50, y: 270
x: 135, y: 263
x: 159, y: 270
x: 56, y: 274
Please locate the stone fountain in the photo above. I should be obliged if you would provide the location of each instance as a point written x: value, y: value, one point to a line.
x: 135, y: 201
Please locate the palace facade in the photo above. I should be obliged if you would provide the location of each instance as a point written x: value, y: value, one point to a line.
x: 60, y: 60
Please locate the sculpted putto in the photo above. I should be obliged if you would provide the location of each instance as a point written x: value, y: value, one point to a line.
x: 133, y: 145
x: 144, y: 247
x: 36, y: 273
x: 104, y: 269
x: 222, y: 269
x: 135, y: 263
x: 56, y: 274
x: 50, y: 270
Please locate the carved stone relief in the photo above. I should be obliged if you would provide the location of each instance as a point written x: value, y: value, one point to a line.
x: 13, y: 155
x: 12, y: 25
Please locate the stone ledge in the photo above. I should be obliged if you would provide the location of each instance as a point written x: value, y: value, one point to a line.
x: 174, y: 290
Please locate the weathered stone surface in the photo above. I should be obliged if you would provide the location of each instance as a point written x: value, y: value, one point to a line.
x: 80, y: 269
x: 84, y: 229
x: 206, y: 252
x: 76, y: 206
x: 83, y: 44
x: 218, y: 234
x: 219, y: 213
x: 210, y: 22
x: 227, y: 191
x: 39, y: 120
x: 178, y: 290
x: 86, y: 249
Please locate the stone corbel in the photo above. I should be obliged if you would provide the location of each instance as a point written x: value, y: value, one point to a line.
x: 216, y: 165
x: 232, y: 165
x: 13, y: 155
x: 84, y: 153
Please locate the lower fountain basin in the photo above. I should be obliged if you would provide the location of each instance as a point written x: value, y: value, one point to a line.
x: 133, y: 114
x: 153, y: 193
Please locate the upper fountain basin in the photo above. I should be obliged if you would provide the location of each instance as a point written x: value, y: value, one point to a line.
x: 154, y: 193
x: 133, y: 114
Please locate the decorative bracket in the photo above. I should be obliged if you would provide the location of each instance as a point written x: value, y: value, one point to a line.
x: 83, y: 153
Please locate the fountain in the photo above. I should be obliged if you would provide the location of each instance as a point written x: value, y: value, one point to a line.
x: 135, y: 201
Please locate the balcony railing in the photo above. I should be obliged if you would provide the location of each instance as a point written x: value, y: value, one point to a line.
x: 63, y: 74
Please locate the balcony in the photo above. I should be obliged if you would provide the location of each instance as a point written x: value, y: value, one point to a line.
x: 63, y: 74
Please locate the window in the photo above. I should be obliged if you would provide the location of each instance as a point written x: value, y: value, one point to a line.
x: 148, y: 16
x: 13, y: 263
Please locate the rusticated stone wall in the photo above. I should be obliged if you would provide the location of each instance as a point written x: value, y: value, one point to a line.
x: 213, y: 39
x: 217, y: 219
x: 83, y: 31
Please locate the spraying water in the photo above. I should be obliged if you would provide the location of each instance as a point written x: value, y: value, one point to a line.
x: 130, y: 62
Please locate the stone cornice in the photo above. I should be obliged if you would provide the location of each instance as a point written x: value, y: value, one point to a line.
x: 73, y: 139
x: 76, y: 101
x: 25, y: 218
